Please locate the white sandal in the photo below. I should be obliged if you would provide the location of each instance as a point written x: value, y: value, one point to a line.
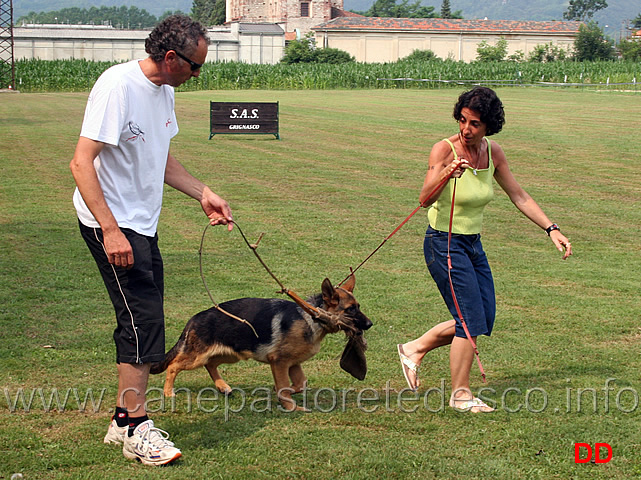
x: 408, y: 364
x: 467, y: 405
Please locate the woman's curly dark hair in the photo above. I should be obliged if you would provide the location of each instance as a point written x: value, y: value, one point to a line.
x: 484, y: 101
x: 176, y: 32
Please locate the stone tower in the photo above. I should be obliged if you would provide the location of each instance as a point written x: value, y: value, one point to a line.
x: 294, y: 16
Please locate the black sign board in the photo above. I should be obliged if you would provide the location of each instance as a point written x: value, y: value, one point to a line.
x: 244, y: 117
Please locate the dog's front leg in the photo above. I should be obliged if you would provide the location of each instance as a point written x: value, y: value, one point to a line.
x: 283, y: 390
x: 298, y: 378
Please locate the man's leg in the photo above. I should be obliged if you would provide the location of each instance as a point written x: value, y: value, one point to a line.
x: 132, y: 388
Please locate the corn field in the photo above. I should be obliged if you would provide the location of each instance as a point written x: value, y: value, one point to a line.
x: 80, y: 75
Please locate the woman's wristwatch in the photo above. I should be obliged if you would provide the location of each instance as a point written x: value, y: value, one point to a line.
x: 554, y: 226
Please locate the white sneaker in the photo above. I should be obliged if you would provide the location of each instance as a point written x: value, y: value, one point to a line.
x: 116, y: 434
x: 150, y: 445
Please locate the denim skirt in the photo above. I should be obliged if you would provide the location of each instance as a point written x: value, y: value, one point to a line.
x: 471, y: 277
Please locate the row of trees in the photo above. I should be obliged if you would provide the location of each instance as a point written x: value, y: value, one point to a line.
x: 589, y: 45
x: 119, y: 17
x: 405, y: 9
x: 209, y: 12
x: 212, y: 12
x: 583, y: 10
x: 580, y: 10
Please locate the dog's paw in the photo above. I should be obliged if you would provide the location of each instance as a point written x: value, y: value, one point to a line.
x: 223, y: 387
x: 292, y: 407
x: 297, y: 389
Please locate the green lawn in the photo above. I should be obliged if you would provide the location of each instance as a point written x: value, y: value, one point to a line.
x: 562, y: 364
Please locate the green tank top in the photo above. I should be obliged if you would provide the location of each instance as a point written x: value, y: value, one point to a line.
x: 474, y: 191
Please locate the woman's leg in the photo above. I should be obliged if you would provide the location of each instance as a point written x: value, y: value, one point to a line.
x: 461, y: 359
x: 437, y: 336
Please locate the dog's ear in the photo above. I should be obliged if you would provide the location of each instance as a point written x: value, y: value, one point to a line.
x: 353, y: 359
x: 350, y: 283
x: 330, y: 296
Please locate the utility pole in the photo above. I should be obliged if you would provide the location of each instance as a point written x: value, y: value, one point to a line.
x: 7, y: 63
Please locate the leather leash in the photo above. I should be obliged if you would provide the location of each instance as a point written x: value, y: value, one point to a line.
x: 445, y: 176
x: 202, y: 276
x: 331, y: 323
x: 323, y: 316
x: 449, y: 274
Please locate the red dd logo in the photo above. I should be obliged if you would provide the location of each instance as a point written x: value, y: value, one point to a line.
x: 597, y: 452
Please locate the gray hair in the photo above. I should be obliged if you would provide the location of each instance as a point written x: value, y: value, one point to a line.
x: 176, y: 32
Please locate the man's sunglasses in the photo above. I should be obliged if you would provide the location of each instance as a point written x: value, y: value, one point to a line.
x: 194, y: 66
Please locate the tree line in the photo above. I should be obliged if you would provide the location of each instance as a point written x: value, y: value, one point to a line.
x: 591, y: 43
x: 118, y: 17
x: 212, y: 12
x: 405, y: 9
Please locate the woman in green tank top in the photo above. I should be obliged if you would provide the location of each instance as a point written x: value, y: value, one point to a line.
x: 479, y: 114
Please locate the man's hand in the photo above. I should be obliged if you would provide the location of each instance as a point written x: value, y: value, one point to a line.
x: 118, y: 249
x: 216, y: 209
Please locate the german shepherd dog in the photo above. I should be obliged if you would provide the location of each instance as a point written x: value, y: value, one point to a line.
x: 287, y: 336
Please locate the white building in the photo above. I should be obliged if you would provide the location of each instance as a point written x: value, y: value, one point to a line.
x: 374, y: 39
x: 368, y: 39
x: 244, y: 42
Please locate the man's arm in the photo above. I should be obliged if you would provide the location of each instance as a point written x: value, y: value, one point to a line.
x: 215, y: 207
x: 118, y: 249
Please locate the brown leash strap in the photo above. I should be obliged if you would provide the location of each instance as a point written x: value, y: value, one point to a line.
x: 330, y: 322
x: 444, y: 178
x: 202, y: 276
x: 456, y: 305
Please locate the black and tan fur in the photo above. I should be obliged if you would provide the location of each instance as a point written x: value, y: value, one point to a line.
x: 287, y: 336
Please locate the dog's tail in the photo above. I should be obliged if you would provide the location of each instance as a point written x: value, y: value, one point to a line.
x: 160, y: 367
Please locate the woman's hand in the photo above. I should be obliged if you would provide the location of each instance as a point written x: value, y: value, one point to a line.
x: 460, y: 169
x: 561, y: 242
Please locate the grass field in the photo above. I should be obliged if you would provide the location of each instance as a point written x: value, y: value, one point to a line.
x: 562, y: 364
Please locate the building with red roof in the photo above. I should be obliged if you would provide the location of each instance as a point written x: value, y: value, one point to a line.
x: 375, y: 39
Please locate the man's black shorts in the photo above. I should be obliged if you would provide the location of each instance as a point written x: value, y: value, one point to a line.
x: 136, y: 294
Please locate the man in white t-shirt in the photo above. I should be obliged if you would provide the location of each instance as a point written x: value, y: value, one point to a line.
x: 121, y: 162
